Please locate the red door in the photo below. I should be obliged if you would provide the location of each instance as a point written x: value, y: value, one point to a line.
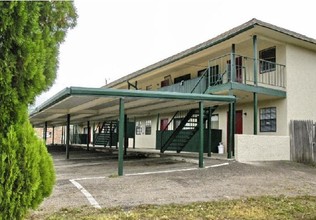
x: 164, y: 124
x: 238, y: 128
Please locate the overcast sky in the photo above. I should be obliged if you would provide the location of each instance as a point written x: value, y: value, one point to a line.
x: 116, y: 37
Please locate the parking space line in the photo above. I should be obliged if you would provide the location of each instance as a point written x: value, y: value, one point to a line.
x: 218, y: 165
x: 90, y: 198
x: 178, y: 170
x: 95, y: 204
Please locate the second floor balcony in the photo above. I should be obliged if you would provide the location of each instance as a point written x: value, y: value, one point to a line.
x: 221, y: 71
x: 268, y: 74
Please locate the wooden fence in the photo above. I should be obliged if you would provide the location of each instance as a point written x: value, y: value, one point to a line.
x: 302, y: 141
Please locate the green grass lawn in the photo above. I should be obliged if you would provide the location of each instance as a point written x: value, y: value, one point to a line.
x: 266, y: 207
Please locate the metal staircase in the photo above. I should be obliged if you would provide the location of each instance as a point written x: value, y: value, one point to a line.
x: 183, y: 133
x: 103, y: 137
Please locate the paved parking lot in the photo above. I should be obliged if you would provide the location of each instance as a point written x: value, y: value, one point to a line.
x: 90, y: 178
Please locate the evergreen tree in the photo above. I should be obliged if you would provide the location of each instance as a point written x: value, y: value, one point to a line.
x: 30, y: 36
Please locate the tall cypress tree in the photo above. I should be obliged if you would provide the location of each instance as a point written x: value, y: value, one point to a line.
x: 30, y: 36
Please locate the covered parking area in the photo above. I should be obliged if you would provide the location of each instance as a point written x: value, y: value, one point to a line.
x: 79, y: 104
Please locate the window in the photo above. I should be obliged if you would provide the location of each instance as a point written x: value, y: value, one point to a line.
x: 215, y: 121
x: 149, y: 87
x: 176, y: 123
x: 182, y: 78
x: 138, y: 127
x: 267, y: 60
x: 85, y: 130
x: 148, y: 127
x: 268, y: 119
x: 201, y: 72
x: 166, y: 82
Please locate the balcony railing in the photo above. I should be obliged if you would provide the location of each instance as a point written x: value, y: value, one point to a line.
x: 268, y: 73
x: 196, y: 85
x: 219, y: 72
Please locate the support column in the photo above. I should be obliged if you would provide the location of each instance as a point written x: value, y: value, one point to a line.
x: 201, y: 132
x: 233, y: 64
x: 88, y: 136
x: 111, y: 134
x: 45, y: 132
x: 255, y: 62
x: 234, y: 128
x: 62, y: 135
x: 53, y: 136
x: 125, y: 135
x: 157, y: 124
x: 121, y: 138
x: 255, y: 113
x: 255, y: 79
x: 209, y: 131
x: 230, y: 144
x: 93, y: 135
x: 67, y: 136
x: 134, y: 141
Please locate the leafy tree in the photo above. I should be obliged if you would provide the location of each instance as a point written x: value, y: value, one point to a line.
x: 30, y: 36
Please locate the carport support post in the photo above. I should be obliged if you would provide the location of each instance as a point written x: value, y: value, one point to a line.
x: 121, y: 138
x: 67, y: 136
x: 134, y: 134
x: 231, y: 130
x: 53, y: 136
x: 45, y: 132
x: 125, y: 135
x: 201, y: 131
x: 209, y: 131
x: 88, y: 136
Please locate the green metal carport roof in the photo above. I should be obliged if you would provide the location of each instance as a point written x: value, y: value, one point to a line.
x: 77, y: 104
x: 99, y: 104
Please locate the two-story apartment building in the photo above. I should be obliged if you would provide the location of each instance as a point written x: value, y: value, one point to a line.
x: 270, y: 71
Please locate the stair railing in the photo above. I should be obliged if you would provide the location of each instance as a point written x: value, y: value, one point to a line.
x: 99, y: 129
x: 177, y: 130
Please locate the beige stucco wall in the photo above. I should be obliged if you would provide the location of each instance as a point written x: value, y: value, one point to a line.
x: 261, y: 148
x: 301, y: 83
x: 247, y: 118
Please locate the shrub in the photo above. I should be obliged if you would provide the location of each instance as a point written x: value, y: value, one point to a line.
x: 26, y: 171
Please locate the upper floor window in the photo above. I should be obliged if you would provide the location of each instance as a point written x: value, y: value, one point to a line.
x: 201, y: 72
x: 268, y: 119
x: 267, y: 60
x: 166, y: 82
x: 180, y: 78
